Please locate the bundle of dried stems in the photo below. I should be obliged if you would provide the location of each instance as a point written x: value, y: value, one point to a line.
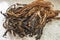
x: 29, y: 19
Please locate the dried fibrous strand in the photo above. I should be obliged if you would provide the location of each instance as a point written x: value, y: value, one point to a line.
x: 30, y: 19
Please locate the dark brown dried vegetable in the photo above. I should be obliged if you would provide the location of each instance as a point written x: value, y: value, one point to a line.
x: 29, y: 19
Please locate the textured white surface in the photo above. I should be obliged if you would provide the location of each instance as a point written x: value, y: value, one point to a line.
x: 50, y: 32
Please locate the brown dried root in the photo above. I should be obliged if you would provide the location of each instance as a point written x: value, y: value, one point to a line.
x: 29, y: 19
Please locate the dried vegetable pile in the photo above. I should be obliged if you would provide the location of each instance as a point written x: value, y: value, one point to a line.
x: 29, y: 19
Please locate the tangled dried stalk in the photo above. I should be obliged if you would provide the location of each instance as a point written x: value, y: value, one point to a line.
x: 29, y: 19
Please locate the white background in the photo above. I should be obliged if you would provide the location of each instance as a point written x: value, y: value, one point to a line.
x: 50, y: 32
